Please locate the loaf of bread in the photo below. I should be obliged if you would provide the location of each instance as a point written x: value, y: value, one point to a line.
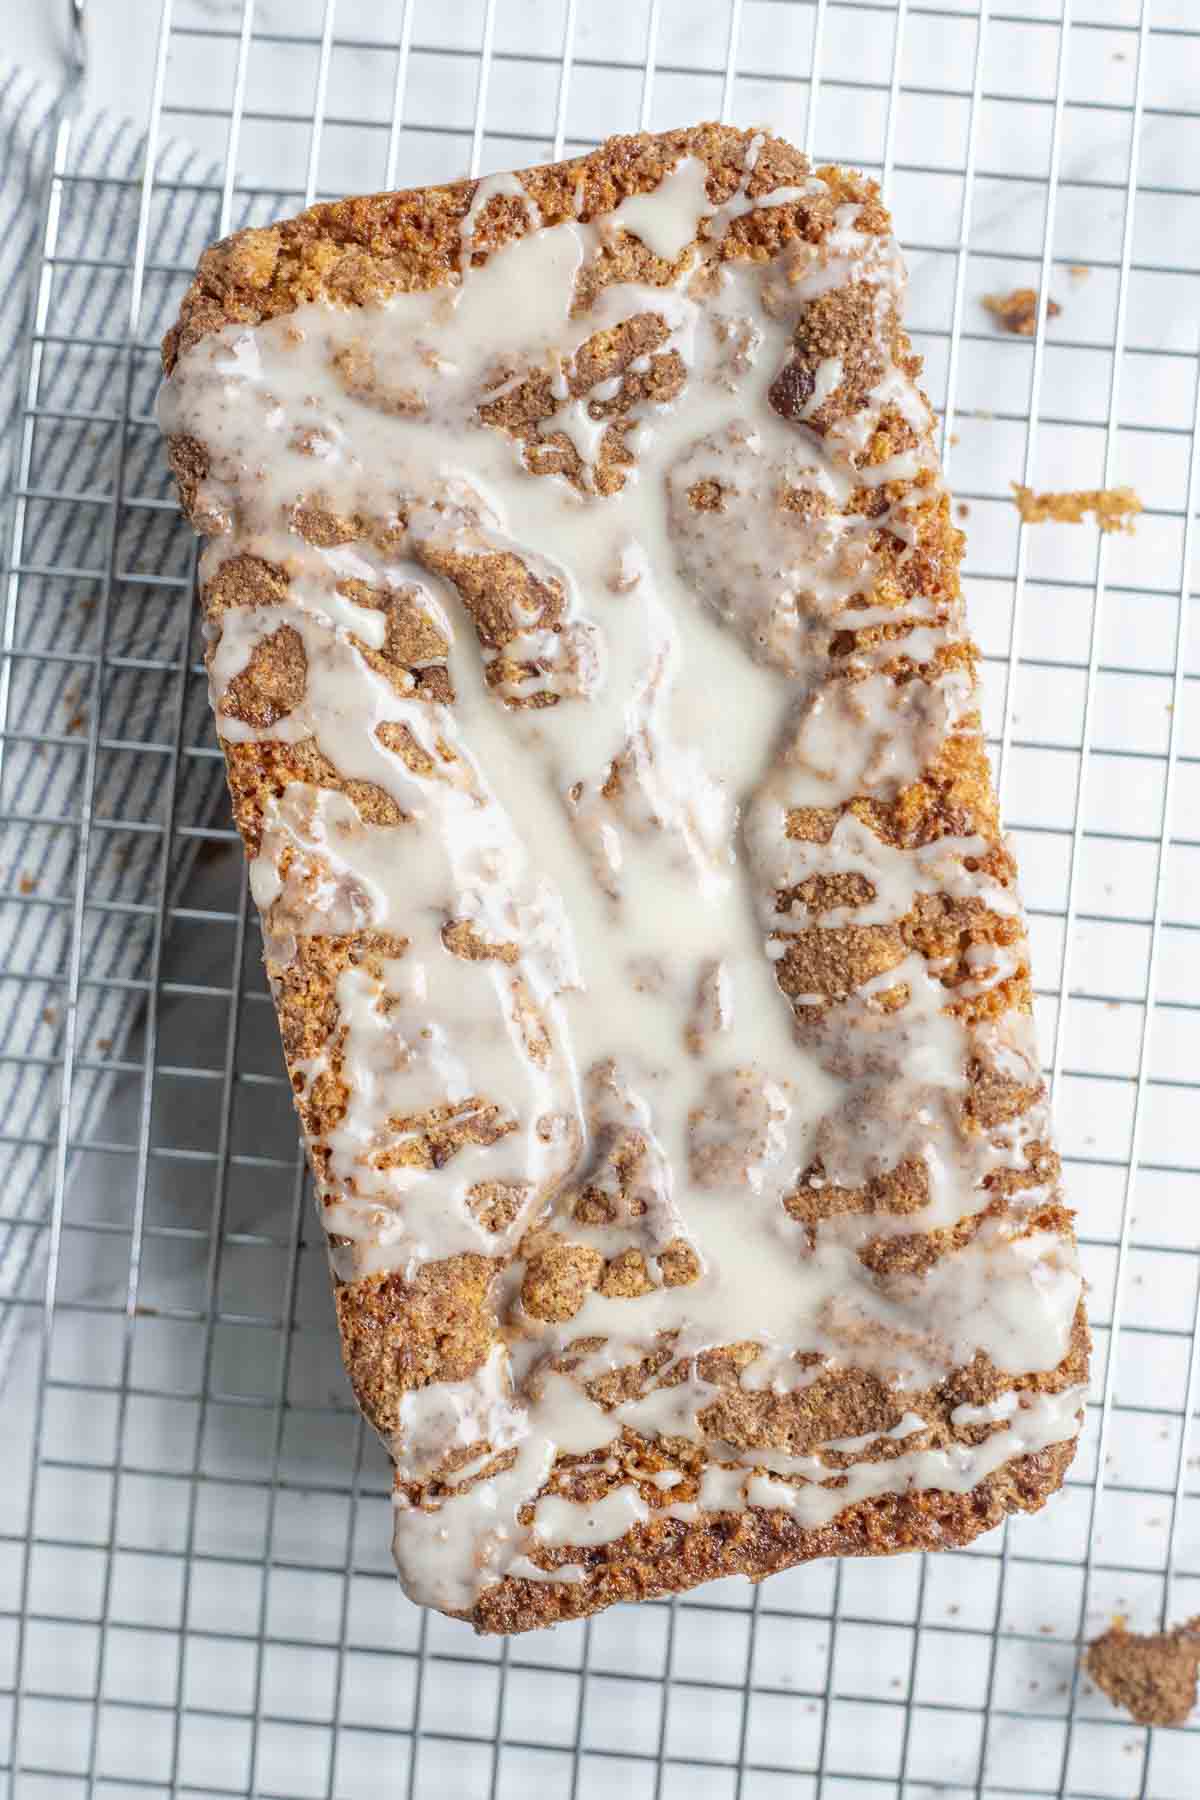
x: 587, y: 650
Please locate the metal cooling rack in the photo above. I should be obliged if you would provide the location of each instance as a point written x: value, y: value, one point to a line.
x: 195, y: 1590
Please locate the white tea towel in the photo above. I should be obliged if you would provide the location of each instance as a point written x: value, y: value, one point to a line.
x: 97, y: 634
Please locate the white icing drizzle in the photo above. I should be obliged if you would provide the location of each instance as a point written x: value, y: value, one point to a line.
x: 668, y: 219
x: 906, y: 1427
x: 558, y: 1521
x: 635, y: 925
x: 1048, y: 1418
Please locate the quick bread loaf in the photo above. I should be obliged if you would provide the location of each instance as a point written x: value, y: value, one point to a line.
x: 587, y: 650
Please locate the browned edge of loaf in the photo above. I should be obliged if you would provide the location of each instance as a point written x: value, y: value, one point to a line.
x: 355, y: 251
x: 658, y: 1559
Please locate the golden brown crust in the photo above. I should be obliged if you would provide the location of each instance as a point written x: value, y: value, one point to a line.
x: 399, y: 1334
x: 670, y: 1556
x: 364, y: 248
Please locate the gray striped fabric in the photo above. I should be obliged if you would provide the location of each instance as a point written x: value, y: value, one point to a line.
x: 95, y: 668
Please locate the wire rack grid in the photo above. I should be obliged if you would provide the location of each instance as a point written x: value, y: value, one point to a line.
x: 195, y: 1590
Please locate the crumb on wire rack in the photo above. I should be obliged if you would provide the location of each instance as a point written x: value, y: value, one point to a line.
x: 1151, y: 1675
x: 1017, y: 312
x: 1115, y: 508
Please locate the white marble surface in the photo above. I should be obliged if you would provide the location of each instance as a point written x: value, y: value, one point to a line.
x: 937, y: 51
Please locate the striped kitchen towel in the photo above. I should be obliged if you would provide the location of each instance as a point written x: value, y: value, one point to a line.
x: 104, y: 735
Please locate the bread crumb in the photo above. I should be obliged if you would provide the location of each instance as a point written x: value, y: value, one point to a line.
x: 104, y: 1044
x: 964, y: 511
x: 1017, y: 312
x: 954, y: 438
x: 1079, y: 271
x: 49, y: 1015
x: 28, y: 884
x: 1115, y: 508
x: 1152, y: 1676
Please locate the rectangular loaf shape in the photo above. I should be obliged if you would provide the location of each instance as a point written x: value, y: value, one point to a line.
x: 587, y: 650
